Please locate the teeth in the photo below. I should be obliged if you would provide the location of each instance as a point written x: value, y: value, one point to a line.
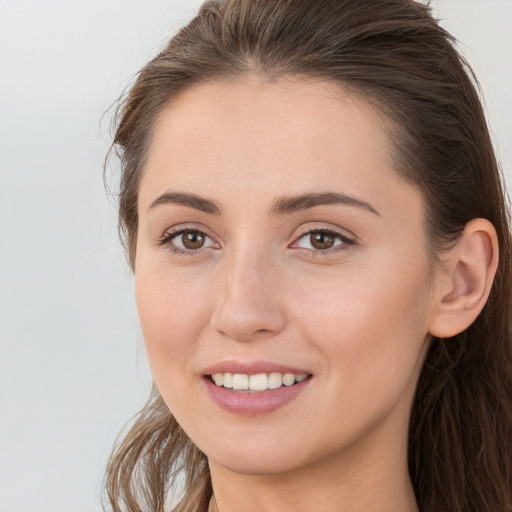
x: 275, y: 380
x: 257, y: 382
x: 227, y: 381
x: 288, y: 379
x: 240, y: 381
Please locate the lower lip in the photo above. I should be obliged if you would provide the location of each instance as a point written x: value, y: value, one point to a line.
x: 255, y: 403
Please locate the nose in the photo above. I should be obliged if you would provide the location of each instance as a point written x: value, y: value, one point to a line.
x: 249, y: 304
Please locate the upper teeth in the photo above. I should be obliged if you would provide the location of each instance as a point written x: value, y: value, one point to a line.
x: 258, y: 382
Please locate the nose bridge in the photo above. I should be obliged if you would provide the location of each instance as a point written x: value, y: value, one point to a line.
x: 248, y: 303
x: 247, y: 266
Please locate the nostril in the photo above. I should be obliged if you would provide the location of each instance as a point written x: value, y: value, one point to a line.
x: 248, y: 324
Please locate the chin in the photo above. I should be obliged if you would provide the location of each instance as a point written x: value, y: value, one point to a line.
x: 269, y: 456
x: 257, y: 464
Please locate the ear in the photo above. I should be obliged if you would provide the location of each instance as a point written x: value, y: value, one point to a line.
x: 464, y: 282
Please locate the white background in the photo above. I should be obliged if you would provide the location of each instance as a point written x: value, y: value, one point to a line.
x: 72, y: 363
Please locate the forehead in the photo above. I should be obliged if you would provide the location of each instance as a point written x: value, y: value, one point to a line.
x: 263, y: 139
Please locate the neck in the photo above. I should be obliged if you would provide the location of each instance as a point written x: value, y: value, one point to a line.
x: 354, y: 483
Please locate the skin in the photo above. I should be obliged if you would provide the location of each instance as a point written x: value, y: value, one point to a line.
x: 356, y: 316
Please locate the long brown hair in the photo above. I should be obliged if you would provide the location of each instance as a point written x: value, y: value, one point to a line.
x: 393, y: 54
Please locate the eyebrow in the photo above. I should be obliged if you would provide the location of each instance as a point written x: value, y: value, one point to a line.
x: 281, y: 206
x: 191, y: 200
x: 285, y: 205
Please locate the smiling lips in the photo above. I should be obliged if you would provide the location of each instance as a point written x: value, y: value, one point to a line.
x: 254, y: 389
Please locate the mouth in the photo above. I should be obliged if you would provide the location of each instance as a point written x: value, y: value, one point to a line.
x: 256, y: 387
x: 254, y: 383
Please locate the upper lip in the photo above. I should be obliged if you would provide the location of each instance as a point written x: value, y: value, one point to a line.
x: 252, y: 368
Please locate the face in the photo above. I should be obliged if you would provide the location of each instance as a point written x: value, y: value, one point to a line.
x: 278, y: 249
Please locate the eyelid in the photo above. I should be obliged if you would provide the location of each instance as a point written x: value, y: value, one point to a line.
x: 348, y: 239
x: 313, y: 227
x: 175, y: 231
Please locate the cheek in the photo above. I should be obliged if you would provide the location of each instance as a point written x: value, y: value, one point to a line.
x: 370, y: 326
x: 173, y: 312
x: 370, y: 337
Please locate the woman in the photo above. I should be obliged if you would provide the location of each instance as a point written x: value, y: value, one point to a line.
x: 314, y: 215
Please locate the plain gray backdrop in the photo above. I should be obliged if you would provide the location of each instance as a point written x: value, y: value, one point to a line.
x: 72, y: 362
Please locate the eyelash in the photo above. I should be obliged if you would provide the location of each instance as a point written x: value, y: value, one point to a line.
x: 347, y: 241
x: 169, y: 236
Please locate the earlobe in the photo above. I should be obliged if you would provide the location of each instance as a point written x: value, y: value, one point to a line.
x: 467, y: 279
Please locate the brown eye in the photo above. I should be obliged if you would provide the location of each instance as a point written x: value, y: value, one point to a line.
x: 322, y: 240
x: 192, y: 239
x: 189, y: 240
